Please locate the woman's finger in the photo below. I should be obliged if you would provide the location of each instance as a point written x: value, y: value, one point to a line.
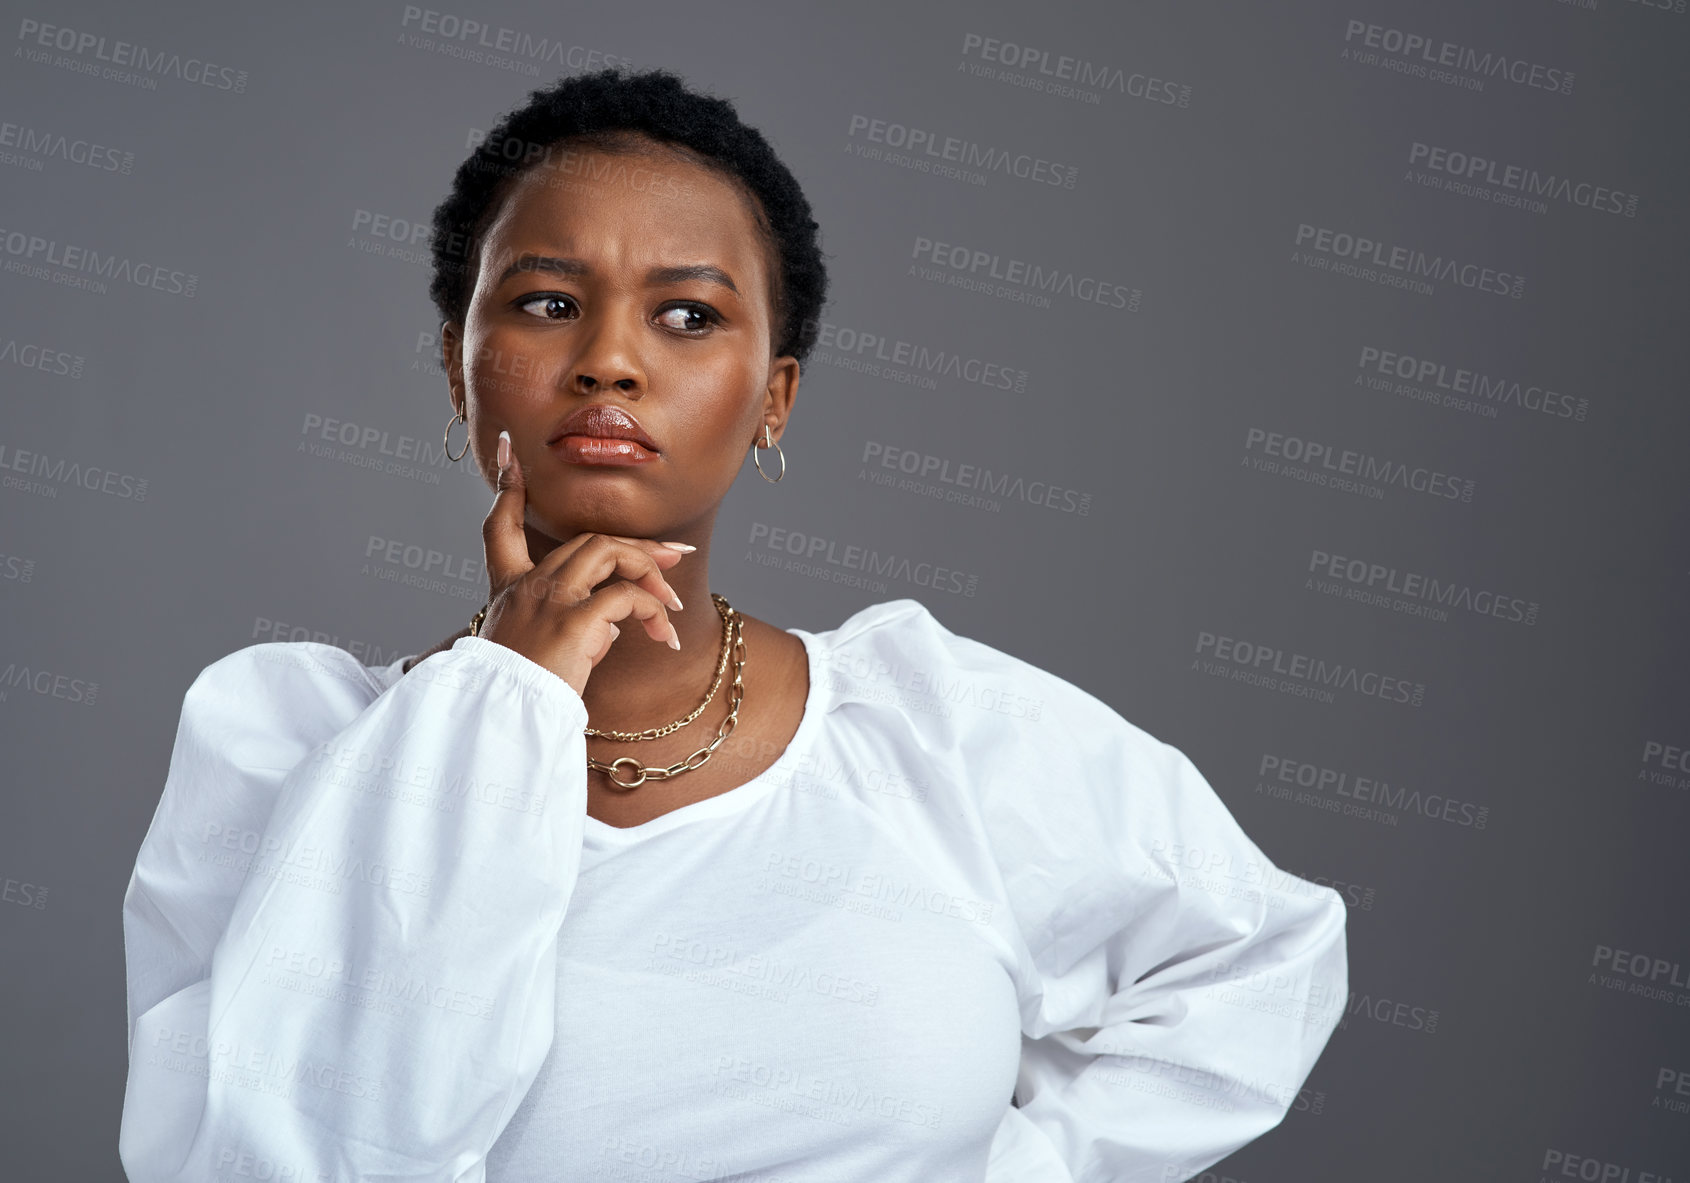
x: 502, y: 535
x: 594, y: 559
x: 623, y: 601
x: 638, y: 559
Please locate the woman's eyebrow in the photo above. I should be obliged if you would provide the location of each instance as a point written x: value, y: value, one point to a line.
x: 578, y: 269
x: 704, y: 271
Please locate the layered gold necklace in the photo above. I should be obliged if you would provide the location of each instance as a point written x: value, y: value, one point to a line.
x: 733, y: 641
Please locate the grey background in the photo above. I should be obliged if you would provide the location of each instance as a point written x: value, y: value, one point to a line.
x: 1544, y: 725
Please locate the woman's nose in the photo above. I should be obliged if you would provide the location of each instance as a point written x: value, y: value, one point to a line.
x: 608, y: 355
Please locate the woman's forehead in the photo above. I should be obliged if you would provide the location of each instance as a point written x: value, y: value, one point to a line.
x: 644, y: 208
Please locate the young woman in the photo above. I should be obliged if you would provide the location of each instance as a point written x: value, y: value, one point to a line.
x: 620, y: 883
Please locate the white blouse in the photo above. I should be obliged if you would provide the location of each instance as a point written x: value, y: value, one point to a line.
x: 373, y: 934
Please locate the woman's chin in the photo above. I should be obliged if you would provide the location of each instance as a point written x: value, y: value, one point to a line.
x: 555, y: 528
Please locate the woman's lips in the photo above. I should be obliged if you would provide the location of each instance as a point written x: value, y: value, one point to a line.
x: 599, y: 449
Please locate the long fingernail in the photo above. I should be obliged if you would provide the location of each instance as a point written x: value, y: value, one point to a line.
x: 504, y: 448
x: 680, y: 546
x: 675, y: 600
x: 674, y: 638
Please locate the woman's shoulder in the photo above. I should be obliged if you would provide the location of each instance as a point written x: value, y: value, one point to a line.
x: 246, y: 719
x: 255, y: 667
x: 1050, y: 774
x: 277, y: 689
x: 898, y: 655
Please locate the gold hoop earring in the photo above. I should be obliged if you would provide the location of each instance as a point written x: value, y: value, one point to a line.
x: 447, y: 438
x: 773, y: 480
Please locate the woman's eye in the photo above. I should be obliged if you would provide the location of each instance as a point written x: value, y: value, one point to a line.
x: 701, y: 314
x: 549, y: 303
x: 687, y: 318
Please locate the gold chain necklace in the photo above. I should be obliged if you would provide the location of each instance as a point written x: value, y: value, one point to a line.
x: 732, y: 629
x: 721, y: 667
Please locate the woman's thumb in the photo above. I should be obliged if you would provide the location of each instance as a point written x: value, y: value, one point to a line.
x: 507, y: 549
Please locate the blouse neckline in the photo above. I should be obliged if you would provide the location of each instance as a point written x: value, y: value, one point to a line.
x: 740, y: 796
x: 722, y: 804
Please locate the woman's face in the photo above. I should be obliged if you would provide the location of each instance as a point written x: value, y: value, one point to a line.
x: 571, y: 308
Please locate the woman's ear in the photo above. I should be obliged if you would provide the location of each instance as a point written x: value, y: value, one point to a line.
x: 452, y: 361
x: 781, y: 390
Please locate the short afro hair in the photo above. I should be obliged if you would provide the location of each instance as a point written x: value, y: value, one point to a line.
x: 608, y: 110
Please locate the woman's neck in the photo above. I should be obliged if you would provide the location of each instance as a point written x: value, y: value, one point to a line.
x: 642, y: 682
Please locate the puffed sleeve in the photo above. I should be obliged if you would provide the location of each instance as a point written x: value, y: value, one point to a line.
x: 1176, y: 987
x: 340, y: 932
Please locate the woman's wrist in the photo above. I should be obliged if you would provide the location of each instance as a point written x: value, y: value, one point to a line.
x: 413, y: 662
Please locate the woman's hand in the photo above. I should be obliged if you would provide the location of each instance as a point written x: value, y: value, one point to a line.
x: 547, y: 611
